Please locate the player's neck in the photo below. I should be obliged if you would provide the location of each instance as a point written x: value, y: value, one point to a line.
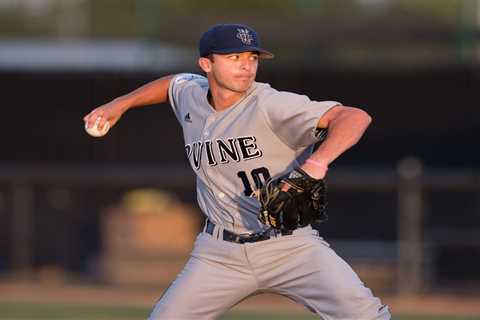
x: 223, y: 99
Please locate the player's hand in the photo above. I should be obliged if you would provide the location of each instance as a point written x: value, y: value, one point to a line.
x: 110, y: 112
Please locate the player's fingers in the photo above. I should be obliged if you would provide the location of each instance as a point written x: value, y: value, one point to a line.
x: 97, y: 121
x: 101, y: 122
x: 94, y: 118
x: 86, y: 119
x: 284, y: 186
x: 89, y: 119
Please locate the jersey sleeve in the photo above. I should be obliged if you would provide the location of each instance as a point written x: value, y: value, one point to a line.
x: 294, y: 118
x: 179, y: 85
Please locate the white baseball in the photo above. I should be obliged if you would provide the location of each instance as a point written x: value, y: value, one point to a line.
x: 94, y: 131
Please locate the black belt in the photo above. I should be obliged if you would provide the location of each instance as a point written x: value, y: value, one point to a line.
x: 238, y: 238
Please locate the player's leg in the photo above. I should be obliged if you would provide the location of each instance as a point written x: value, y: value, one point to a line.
x: 306, y: 269
x: 213, y: 280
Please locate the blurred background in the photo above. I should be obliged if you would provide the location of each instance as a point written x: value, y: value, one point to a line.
x: 119, y: 212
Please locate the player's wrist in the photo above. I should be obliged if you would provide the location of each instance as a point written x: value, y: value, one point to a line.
x: 315, y: 168
x: 123, y: 103
x: 318, y: 163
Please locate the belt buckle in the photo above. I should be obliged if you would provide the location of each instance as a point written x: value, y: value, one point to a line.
x: 254, y: 237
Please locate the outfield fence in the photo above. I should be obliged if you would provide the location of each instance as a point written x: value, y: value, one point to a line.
x: 417, y: 249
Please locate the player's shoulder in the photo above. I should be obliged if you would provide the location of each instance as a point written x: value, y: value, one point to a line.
x: 189, y: 79
x: 270, y: 96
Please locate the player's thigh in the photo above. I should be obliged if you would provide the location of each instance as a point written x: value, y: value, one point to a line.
x: 328, y: 286
x: 213, y: 280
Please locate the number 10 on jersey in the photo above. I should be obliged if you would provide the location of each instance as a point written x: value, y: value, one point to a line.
x: 259, y: 176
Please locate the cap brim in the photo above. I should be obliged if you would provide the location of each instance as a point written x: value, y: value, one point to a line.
x: 262, y: 53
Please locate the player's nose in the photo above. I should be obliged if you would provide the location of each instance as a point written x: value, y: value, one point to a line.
x: 246, y: 64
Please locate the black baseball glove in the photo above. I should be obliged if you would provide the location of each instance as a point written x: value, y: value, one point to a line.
x: 303, y: 203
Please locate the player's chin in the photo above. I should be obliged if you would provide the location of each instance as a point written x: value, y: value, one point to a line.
x: 242, y: 85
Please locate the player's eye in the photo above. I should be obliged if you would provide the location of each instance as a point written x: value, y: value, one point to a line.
x: 234, y: 57
x: 254, y: 57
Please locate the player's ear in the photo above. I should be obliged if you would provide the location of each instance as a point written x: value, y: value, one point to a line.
x: 205, y: 64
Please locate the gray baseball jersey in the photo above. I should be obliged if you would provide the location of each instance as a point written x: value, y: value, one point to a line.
x: 232, y: 152
x: 265, y: 134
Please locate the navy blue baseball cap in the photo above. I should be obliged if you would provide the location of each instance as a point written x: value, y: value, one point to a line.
x: 231, y: 38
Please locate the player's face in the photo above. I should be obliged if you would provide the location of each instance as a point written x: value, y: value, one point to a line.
x: 234, y: 72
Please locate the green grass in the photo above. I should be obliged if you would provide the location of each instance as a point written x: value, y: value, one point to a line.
x: 56, y: 311
x: 23, y: 311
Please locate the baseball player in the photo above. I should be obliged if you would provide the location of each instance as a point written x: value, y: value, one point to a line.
x: 258, y: 184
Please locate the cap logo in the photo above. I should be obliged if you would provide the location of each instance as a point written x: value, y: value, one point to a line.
x: 244, y: 36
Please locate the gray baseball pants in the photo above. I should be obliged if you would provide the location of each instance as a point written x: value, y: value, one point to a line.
x: 301, y: 266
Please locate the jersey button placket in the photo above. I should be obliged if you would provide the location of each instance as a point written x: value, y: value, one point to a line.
x: 207, y: 132
x: 208, y: 123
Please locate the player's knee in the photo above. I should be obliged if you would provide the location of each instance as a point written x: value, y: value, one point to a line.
x: 365, y: 307
x: 357, y: 302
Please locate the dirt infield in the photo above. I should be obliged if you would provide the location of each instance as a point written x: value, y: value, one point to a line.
x: 98, y: 295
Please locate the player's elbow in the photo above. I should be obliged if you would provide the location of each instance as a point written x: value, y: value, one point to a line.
x: 361, y: 116
x: 366, y: 118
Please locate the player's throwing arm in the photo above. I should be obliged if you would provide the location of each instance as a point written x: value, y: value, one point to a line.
x: 104, y: 117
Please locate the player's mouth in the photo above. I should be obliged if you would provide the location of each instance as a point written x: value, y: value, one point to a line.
x: 244, y: 77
